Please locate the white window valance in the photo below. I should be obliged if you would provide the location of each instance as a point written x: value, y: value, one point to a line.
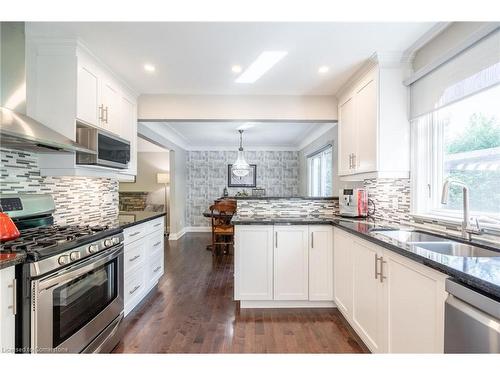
x: 474, y: 69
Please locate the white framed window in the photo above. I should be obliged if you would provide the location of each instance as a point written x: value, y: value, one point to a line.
x: 320, y: 172
x: 456, y: 134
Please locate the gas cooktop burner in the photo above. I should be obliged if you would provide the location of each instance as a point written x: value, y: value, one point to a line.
x: 44, y: 241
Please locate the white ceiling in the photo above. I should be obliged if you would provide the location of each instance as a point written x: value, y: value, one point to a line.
x: 196, y: 58
x: 207, y: 135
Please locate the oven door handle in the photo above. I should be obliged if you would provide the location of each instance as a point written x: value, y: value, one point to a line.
x: 81, y: 268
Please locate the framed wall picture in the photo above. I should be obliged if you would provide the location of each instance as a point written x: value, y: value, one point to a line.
x: 250, y: 180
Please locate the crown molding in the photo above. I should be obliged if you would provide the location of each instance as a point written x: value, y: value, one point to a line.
x: 434, y: 31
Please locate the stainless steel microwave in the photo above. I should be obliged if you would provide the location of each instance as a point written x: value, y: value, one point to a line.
x: 110, y: 150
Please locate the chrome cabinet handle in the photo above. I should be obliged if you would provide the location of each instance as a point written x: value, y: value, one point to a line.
x: 134, y: 258
x: 382, y: 262
x: 381, y: 273
x: 156, y: 244
x: 101, y: 113
x: 106, y: 111
x: 350, y: 161
x: 276, y: 240
x: 312, y: 240
x: 157, y: 269
x: 157, y: 224
x: 135, y: 289
x: 14, y: 297
x: 134, y: 234
x: 353, y: 160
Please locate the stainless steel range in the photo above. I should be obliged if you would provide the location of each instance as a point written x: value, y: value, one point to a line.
x: 71, y: 299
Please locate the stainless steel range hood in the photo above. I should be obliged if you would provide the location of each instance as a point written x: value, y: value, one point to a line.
x: 21, y: 132
x: 18, y: 131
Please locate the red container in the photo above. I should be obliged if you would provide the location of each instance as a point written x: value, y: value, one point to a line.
x: 8, y: 230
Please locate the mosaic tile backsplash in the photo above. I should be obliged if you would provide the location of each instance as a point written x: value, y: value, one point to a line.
x: 277, y: 172
x: 391, y: 197
x: 287, y: 207
x: 78, y: 199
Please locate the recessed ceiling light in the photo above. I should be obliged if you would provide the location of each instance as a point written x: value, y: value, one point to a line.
x: 149, y: 68
x: 236, y: 68
x: 323, y: 69
x: 261, y: 65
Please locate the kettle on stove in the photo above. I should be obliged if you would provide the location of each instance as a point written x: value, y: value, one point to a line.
x: 8, y: 230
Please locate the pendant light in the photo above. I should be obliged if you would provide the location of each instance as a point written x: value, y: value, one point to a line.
x: 240, y: 167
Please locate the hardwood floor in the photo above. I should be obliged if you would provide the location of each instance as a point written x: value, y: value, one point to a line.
x: 192, y: 311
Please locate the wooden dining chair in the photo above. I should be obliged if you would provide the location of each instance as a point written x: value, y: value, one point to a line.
x: 222, y: 229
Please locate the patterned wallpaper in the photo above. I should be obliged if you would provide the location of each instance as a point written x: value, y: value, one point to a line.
x: 78, y: 199
x: 277, y: 172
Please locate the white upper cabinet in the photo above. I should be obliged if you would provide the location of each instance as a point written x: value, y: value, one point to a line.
x: 111, y: 107
x: 348, y: 140
x: 65, y: 85
x: 320, y: 263
x: 87, y: 94
x: 373, y: 124
x: 291, y: 263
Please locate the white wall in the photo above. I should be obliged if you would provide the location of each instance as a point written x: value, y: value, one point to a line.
x: 177, y: 168
x: 148, y: 165
x: 329, y: 137
x: 237, y: 107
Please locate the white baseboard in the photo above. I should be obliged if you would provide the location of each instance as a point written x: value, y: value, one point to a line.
x: 284, y: 304
x: 198, y: 229
x: 176, y: 236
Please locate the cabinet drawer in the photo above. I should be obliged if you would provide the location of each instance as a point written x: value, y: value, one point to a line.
x: 155, y: 225
x: 155, y: 242
x: 135, y: 255
x: 134, y: 285
x: 134, y: 233
x: 156, y: 265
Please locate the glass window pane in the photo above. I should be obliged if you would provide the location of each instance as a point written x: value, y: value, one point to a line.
x: 468, y: 142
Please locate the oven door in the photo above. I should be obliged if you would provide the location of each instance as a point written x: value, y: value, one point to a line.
x: 73, y: 306
x: 112, y: 151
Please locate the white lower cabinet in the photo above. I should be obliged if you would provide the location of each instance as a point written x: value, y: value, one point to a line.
x: 342, y: 271
x: 253, y: 262
x: 7, y: 310
x: 367, y: 296
x: 395, y: 305
x: 320, y: 263
x: 283, y: 265
x: 143, y: 260
x: 291, y: 268
x: 415, y: 306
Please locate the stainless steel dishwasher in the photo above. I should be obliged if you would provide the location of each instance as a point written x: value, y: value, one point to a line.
x: 472, y: 321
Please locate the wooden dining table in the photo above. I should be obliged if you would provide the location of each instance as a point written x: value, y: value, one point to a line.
x: 215, y: 214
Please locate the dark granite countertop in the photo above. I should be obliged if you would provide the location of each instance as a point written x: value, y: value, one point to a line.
x: 479, y: 273
x: 11, y: 259
x: 128, y: 219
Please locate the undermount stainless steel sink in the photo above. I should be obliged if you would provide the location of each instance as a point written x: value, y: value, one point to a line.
x: 408, y: 236
x: 457, y: 249
x: 437, y: 244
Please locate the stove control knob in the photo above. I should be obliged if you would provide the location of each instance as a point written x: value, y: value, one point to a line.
x: 108, y: 242
x: 74, y: 255
x: 116, y: 240
x: 92, y: 249
x: 63, y: 259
